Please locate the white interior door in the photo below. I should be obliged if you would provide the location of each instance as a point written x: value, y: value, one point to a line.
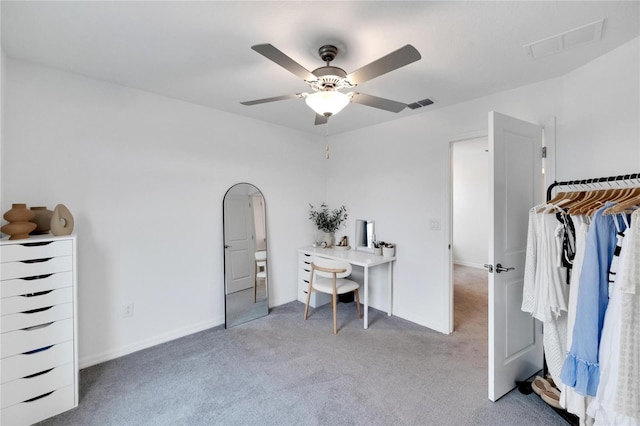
x: 238, y: 243
x: 515, y: 340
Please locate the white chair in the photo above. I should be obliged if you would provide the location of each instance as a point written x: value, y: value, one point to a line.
x: 261, y: 272
x: 329, y: 276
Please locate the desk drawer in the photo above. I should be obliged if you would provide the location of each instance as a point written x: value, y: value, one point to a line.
x: 21, y: 341
x: 28, y: 302
x: 18, y: 366
x: 36, y: 267
x: 29, y: 387
x: 35, y: 250
x: 36, y: 317
x: 19, y: 286
x: 27, y: 413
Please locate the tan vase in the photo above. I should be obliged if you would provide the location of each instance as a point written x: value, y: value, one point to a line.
x: 19, y: 225
x: 61, y: 221
x: 42, y: 219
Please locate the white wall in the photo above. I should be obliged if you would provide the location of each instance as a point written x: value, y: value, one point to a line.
x: 397, y: 173
x: 599, y: 124
x: 470, y: 174
x: 144, y: 177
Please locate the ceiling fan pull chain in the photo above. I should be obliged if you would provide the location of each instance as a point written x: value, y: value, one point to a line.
x: 327, y: 153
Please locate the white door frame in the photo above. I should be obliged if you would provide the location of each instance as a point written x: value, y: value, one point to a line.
x: 549, y: 166
x: 449, y: 272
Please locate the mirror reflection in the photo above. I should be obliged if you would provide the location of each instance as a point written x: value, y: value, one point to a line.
x: 245, y: 255
x: 365, y: 235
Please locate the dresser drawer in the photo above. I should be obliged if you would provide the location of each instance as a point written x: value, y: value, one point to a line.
x: 18, y: 366
x: 35, y: 284
x: 26, y: 319
x: 15, y: 304
x: 21, y: 341
x: 35, y: 250
x: 27, y: 413
x: 32, y: 268
x: 20, y: 390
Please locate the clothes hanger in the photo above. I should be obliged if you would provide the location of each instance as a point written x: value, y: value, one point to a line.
x: 626, y: 205
x: 589, y: 199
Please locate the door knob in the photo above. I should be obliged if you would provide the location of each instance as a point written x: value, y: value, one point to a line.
x: 500, y: 268
x: 226, y: 246
x: 489, y: 267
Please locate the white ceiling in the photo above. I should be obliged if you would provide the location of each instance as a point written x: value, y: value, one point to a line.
x: 200, y: 51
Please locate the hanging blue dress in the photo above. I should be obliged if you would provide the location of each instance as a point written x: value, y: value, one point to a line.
x: 581, y: 369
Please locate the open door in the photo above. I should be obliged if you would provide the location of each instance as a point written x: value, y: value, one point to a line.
x: 515, y: 340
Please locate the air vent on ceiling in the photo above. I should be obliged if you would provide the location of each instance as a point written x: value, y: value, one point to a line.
x: 567, y: 40
x: 420, y: 104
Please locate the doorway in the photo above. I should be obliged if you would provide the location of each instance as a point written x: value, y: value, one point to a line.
x: 470, y: 214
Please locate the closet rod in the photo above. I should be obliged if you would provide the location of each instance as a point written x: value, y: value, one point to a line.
x: 599, y: 180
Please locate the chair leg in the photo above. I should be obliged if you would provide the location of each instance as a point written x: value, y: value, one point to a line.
x: 357, y: 293
x: 306, y: 308
x: 335, y: 316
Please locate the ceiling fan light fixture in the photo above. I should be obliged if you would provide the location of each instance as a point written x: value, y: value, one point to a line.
x: 327, y: 102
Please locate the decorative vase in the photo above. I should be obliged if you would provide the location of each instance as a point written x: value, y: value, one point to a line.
x: 42, y: 219
x: 329, y: 239
x: 19, y: 225
x: 61, y: 221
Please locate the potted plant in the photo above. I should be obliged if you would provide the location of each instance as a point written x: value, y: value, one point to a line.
x: 328, y: 221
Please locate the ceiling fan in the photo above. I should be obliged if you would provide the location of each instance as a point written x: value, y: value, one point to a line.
x: 327, y: 81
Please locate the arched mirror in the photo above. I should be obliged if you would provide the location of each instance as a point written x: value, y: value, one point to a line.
x: 245, y: 255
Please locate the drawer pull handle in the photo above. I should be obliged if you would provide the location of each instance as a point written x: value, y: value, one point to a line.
x: 38, y: 397
x: 41, y: 243
x: 46, y: 259
x: 306, y: 281
x: 35, y: 327
x: 307, y: 270
x: 36, y: 277
x: 35, y: 351
x: 31, y: 376
x: 35, y: 311
x: 40, y: 293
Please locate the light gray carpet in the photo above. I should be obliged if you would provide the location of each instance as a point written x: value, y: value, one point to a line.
x: 281, y: 370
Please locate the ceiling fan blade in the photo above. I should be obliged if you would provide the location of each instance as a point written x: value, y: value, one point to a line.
x: 376, y: 102
x: 275, y: 98
x: 394, y: 60
x: 270, y: 52
x: 321, y: 119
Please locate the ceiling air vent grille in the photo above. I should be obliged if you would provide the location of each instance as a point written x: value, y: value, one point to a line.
x: 567, y: 40
x: 420, y: 104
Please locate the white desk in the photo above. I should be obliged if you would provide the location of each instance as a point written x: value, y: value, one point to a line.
x: 359, y: 258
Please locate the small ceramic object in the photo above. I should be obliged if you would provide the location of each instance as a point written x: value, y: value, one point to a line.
x: 19, y: 225
x: 42, y: 219
x: 61, y: 221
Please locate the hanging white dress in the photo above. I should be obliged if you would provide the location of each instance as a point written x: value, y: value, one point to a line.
x: 545, y: 291
x: 603, y: 406
x: 628, y: 384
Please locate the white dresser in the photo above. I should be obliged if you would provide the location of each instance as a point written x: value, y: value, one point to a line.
x: 304, y: 274
x: 38, y: 322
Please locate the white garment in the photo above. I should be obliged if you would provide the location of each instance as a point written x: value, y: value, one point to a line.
x: 572, y: 401
x: 545, y: 291
x: 628, y: 384
x: 602, y: 408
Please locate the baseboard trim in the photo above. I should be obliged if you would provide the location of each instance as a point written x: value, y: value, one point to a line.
x: 469, y: 264
x: 147, y: 343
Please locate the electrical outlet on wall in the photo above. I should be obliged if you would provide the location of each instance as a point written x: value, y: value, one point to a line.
x: 127, y: 310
